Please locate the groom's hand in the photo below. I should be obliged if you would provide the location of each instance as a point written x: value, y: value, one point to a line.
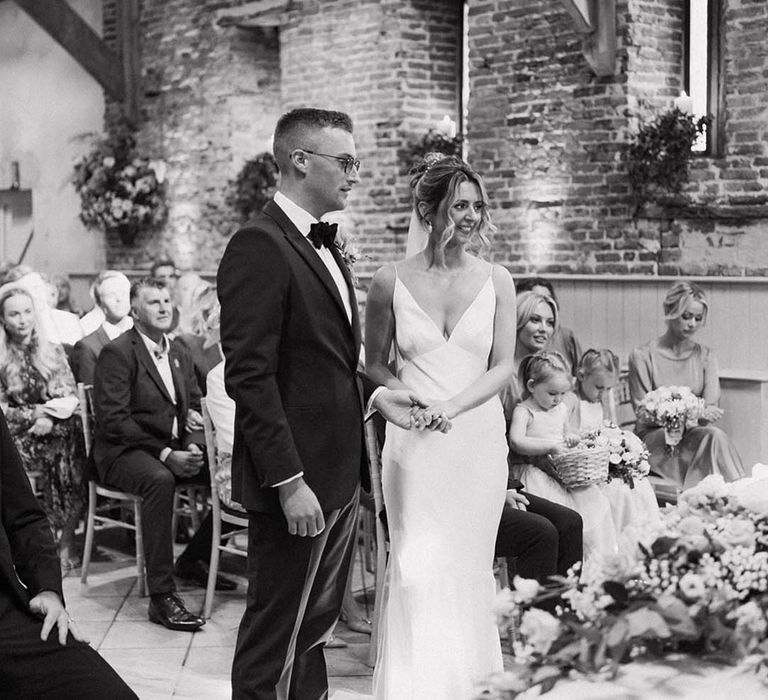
x: 301, y: 508
x: 396, y: 406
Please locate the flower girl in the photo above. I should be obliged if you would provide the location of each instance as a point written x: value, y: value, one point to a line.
x: 592, y: 407
x: 539, y: 426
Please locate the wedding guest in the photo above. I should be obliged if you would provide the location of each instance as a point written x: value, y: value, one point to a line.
x: 563, y: 339
x: 59, y: 326
x: 203, y: 307
x: 148, y: 437
x: 112, y: 294
x: 64, y: 301
x: 43, y: 654
x: 540, y: 423
x: 38, y: 395
x: 537, y: 320
x: 592, y: 408
x: 165, y: 270
x: 676, y: 359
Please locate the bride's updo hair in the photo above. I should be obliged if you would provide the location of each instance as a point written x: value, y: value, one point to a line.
x: 434, y: 183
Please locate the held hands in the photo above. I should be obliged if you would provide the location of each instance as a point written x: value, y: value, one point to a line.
x: 48, y: 605
x: 435, y: 416
x: 301, y: 508
x: 185, y: 463
x: 401, y: 407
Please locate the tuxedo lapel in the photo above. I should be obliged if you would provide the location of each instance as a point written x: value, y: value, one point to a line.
x: 337, y: 256
x: 101, y: 338
x: 144, y: 358
x: 304, y: 248
x: 178, y: 381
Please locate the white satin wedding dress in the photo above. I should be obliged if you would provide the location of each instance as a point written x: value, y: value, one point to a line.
x: 444, y: 494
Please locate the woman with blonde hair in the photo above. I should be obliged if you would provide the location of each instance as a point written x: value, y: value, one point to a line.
x: 676, y: 359
x: 38, y: 396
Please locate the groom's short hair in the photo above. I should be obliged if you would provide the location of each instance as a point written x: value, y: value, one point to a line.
x: 294, y: 127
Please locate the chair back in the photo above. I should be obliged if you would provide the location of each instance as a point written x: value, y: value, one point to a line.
x: 85, y: 396
x: 210, y: 446
x: 374, y: 461
x: 625, y: 412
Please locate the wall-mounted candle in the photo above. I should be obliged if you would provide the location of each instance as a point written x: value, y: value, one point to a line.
x: 684, y: 103
x: 447, y: 127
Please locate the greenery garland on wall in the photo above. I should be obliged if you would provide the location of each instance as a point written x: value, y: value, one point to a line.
x: 254, y: 185
x: 658, y: 159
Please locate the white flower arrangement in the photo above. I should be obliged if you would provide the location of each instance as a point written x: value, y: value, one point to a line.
x: 696, y: 581
x: 674, y: 408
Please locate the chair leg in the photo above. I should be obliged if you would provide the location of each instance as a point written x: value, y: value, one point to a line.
x: 90, y: 525
x: 175, y: 516
x: 141, y: 571
x: 213, y: 566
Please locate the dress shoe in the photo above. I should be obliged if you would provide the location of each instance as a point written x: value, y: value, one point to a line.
x: 168, y: 610
x: 197, y: 572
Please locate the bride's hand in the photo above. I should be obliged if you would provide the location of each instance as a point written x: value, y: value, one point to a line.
x: 436, y: 416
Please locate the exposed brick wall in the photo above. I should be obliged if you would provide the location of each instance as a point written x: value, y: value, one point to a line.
x: 547, y: 134
x: 216, y: 94
x: 550, y: 138
x: 210, y: 96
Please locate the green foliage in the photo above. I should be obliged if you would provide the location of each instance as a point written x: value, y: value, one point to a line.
x: 432, y: 142
x: 254, y: 186
x: 659, y: 157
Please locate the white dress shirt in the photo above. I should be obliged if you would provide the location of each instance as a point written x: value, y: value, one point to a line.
x: 159, y: 354
x: 302, y: 220
x: 113, y: 330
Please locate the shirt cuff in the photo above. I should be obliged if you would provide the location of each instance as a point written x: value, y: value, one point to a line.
x: 369, y: 409
x: 288, y: 481
x: 164, y: 454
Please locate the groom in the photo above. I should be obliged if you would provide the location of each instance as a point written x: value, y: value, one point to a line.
x: 291, y: 338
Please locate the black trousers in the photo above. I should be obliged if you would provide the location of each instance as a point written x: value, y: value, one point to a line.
x: 545, y: 539
x: 31, y: 669
x: 295, y: 589
x: 136, y: 471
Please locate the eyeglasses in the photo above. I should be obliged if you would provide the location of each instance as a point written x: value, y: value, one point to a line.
x: 348, y: 162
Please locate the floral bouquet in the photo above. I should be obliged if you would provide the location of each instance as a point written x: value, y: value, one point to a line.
x: 695, y: 582
x: 629, y: 456
x: 119, y: 189
x: 674, y: 408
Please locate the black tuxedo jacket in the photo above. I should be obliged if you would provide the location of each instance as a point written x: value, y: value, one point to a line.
x: 26, y: 545
x: 291, y: 360
x: 132, y: 406
x: 85, y: 354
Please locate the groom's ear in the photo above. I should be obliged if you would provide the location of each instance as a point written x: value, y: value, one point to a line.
x: 299, y: 160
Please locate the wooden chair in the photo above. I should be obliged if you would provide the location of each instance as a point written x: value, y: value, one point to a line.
x: 382, y: 539
x: 219, y: 543
x: 97, y: 517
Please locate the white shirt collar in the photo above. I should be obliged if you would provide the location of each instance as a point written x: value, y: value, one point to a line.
x: 162, y: 347
x: 113, y: 330
x: 299, y: 217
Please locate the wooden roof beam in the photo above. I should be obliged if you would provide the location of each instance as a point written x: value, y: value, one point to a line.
x: 595, y: 20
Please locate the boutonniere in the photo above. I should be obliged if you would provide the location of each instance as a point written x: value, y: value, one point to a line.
x: 350, y: 254
x: 176, y: 362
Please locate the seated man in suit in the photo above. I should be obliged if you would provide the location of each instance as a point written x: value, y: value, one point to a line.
x: 111, y: 292
x: 148, y: 437
x: 541, y: 538
x: 42, y: 653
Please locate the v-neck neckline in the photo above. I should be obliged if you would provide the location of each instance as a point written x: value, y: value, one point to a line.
x: 446, y: 338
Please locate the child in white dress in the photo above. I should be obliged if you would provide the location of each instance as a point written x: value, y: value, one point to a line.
x: 592, y: 407
x: 538, y: 429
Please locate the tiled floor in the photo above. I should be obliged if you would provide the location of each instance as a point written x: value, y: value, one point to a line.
x: 158, y: 663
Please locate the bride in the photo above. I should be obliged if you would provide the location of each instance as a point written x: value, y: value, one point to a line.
x: 451, y: 317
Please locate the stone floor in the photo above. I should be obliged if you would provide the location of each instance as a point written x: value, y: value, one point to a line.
x: 158, y: 663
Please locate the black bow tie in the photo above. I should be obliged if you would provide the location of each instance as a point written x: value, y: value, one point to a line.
x: 322, y: 233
